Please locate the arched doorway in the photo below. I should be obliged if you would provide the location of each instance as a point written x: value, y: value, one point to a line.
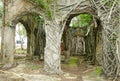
x: 20, y: 41
x: 81, y: 25
x: 34, y: 25
x: 82, y: 37
x: 35, y: 37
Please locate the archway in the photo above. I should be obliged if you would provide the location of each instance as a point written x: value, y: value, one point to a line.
x: 86, y: 38
x: 33, y: 24
x: 20, y: 40
x: 10, y: 19
x: 53, y: 39
x: 92, y: 25
x: 36, y: 35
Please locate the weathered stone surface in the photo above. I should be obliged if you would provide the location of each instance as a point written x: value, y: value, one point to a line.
x: 8, y: 45
x: 66, y: 13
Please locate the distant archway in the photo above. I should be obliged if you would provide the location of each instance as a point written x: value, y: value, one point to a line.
x: 92, y: 37
x: 20, y: 39
x: 33, y: 24
x: 35, y: 35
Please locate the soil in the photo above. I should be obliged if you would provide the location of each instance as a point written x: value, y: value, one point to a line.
x: 33, y: 71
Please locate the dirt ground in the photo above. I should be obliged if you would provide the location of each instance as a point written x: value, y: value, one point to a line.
x: 33, y: 71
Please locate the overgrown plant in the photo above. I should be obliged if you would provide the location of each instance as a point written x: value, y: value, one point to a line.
x: 110, y: 13
x: 45, y: 5
x: 81, y: 20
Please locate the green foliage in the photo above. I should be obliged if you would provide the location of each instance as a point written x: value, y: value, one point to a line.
x: 113, y: 36
x: 105, y: 1
x: 72, y: 61
x: 39, y: 19
x: 19, y: 51
x: 45, y: 6
x: 98, y: 70
x: 32, y: 66
x: 81, y: 20
x: 109, y: 3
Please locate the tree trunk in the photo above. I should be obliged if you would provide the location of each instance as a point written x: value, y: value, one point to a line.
x: 32, y: 39
x: 52, y: 49
x: 90, y: 45
x: 30, y: 45
x: 39, y: 33
x: 99, y: 45
x: 8, y: 46
x: 35, y: 37
x: 67, y: 37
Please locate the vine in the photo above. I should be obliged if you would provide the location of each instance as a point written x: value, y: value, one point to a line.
x: 110, y: 36
x: 45, y: 6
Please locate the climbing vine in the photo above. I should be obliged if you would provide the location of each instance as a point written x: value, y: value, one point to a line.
x: 110, y: 13
x: 45, y: 5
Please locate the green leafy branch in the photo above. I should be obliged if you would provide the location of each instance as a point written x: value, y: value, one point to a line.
x: 81, y: 20
x: 45, y: 6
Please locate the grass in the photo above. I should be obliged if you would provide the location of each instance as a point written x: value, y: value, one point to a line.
x: 98, y: 70
x: 33, y: 66
x: 72, y: 61
x: 19, y: 51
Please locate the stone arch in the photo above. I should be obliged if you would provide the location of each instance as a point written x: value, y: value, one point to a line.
x: 87, y: 9
x: 35, y: 34
x: 81, y: 10
x: 84, y: 7
x: 13, y: 13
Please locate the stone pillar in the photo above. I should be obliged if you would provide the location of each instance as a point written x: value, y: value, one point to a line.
x: 8, y: 46
x: 52, y: 49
